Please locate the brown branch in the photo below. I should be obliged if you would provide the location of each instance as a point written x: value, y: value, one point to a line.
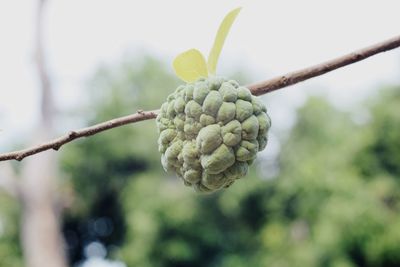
x: 322, y: 68
x: 55, y: 144
x: 257, y: 89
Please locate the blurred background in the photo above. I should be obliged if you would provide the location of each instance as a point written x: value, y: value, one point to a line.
x: 325, y: 191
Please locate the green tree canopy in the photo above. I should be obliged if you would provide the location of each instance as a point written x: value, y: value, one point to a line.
x: 335, y: 201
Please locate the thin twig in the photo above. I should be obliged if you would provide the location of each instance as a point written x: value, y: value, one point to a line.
x: 322, y: 68
x: 257, y: 89
x: 55, y: 144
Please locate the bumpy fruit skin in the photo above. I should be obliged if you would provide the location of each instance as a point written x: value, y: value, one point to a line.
x: 210, y: 132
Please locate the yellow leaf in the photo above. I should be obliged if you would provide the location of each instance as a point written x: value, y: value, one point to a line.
x: 190, y: 65
x: 220, y: 39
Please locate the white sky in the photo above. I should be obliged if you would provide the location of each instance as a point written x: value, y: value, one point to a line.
x: 268, y: 38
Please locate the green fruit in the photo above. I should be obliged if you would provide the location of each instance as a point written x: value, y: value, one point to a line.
x: 210, y: 132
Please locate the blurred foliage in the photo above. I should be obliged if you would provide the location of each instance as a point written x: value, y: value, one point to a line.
x: 99, y: 167
x: 10, y: 250
x: 335, y: 201
x: 381, y: 152
x: 319, y: 211
x: 103, y: 162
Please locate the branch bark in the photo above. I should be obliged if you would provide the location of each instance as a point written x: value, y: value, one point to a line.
x: 260, y: 88
x: 55, y: 144
x: 324, y: 67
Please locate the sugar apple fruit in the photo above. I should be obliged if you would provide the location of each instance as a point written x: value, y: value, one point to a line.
x: 210, y: 132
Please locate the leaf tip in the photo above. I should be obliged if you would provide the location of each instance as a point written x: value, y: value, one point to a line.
x: 220, y: 39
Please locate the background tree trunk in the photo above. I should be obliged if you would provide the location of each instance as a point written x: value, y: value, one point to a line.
x: 42, y: 241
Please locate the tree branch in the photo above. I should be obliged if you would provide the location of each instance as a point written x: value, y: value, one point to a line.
x: 322, y: 68
x: 55, y: 144
x: 257, y: 89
